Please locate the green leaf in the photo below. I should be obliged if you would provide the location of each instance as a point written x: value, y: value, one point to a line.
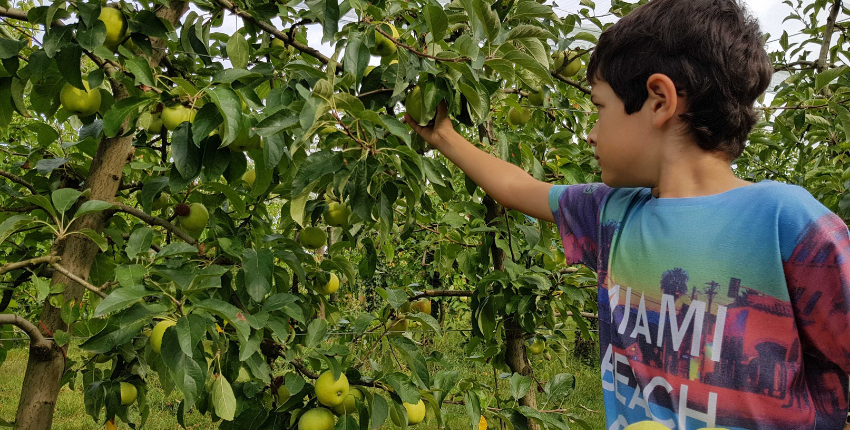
x: 415, y: 361
x: 64, y: 198
x: 140, y: 242
x: 527, y: 31
x: 222, y: 396
x: 379, y: 411
x: 187, y: 156
x: 68, y: 61
x: 13, y: 224
x: 824, y: 78
x: 96, y: 238
x: 120, y: 298
x: 230, y: 313
x: 237, y: 50
x: 150, y: 190
x: 316, y: 332
x: 232, y: 196
x: 139, y: 67
x: 130, y: 276
x: 230, y: 106
x: 277, y: 122
x: 92, y: 206
x: 426, y: 320
x: 10, y: 47
x: 560, y: 387
x: 403, y: 387
x: 176, y: 248
x: 42, y: 287
x: 92, y: 36
x: 187, y: 373
x: 438, y: 21
x: 489, y: 18
x: 257, y: 266
x: 519, y: 385
x: 119, y: 112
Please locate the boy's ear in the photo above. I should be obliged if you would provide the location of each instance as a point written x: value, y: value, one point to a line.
x: 663, y: 101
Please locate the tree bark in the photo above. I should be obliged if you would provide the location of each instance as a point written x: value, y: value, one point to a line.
x: 822, y: 61
x: 515, y: 355
x: 44, y: 371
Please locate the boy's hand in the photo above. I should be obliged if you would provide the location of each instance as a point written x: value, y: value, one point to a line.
x: 438, y: 134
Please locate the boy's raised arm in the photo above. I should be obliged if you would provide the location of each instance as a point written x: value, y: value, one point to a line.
x: 508, y: 184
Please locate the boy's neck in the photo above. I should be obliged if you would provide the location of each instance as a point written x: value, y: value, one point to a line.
x: 689, y: 171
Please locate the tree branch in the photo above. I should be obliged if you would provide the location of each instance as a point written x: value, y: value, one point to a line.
x: 20, y: 209
x: 19, y: 180
x: 269, y: 28
x: 441, y: 293
x: 77, y: 279
x: 21, y: 15
x: 419, y: 53
x: 152, y: 220
x: 820, y: 65
x: 8, y: 267
x: 572, y: 83
x: 36, y: 338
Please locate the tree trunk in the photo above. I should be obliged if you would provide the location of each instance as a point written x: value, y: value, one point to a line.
x: 44, y: 371
x: 515, y: 355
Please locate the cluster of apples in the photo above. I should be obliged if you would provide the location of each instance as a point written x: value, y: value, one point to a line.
x: 401, y: 324
x: 337, y: 397
x: 337, y: 215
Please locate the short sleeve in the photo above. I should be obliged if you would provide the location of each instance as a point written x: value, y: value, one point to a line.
x: 817, y: 272
x: 577, y: 212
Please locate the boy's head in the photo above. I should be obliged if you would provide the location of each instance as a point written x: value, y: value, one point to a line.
x: 713, y: 55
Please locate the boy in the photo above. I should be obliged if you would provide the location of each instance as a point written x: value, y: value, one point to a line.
x: 722, y: 303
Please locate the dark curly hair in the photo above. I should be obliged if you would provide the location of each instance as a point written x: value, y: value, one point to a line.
x: 712, y: 50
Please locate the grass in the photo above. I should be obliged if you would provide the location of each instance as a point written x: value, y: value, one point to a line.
x: 585, y: 401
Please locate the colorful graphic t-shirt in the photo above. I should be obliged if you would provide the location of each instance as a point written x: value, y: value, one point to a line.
x: 730, y: 311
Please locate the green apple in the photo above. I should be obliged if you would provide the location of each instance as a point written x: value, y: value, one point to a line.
x: 281, y: 49
x: 414, y: 105
x: 330, y: 391
x: 317, y: 419
x: 570, y: 69
x: 400, y: 326
x: 384, y: 46
x: 249, y: 177
x: 519, y: 117
x: 537, y: 346
x: 337, y: 214
x: 161, y: 201
x: 647, y: 425
x: 330, y: 287
x: 158, y: 331
x: 324, y: 131
x: 244, y: 142
x: 550, y: 263
x: 415, y: 413
x: 150, y: 122
x: 116, y: 27
x: 312, y: 238
x: 423, y: 305
x: 535, y: 97
x: 350, y: 403
x: 128, y: 393
x: 368, y: 70
x: 195, y: 218
x: 282, y: 394
x: 172, y: 116
x: 79, y: 102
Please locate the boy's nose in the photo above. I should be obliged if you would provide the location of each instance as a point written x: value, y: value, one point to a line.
x: 591, y: 137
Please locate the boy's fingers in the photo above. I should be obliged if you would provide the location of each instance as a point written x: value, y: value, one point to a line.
x: 442, y: 111
x: 409, y: 120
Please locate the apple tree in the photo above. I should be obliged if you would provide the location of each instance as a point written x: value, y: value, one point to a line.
x: 191, y: 203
